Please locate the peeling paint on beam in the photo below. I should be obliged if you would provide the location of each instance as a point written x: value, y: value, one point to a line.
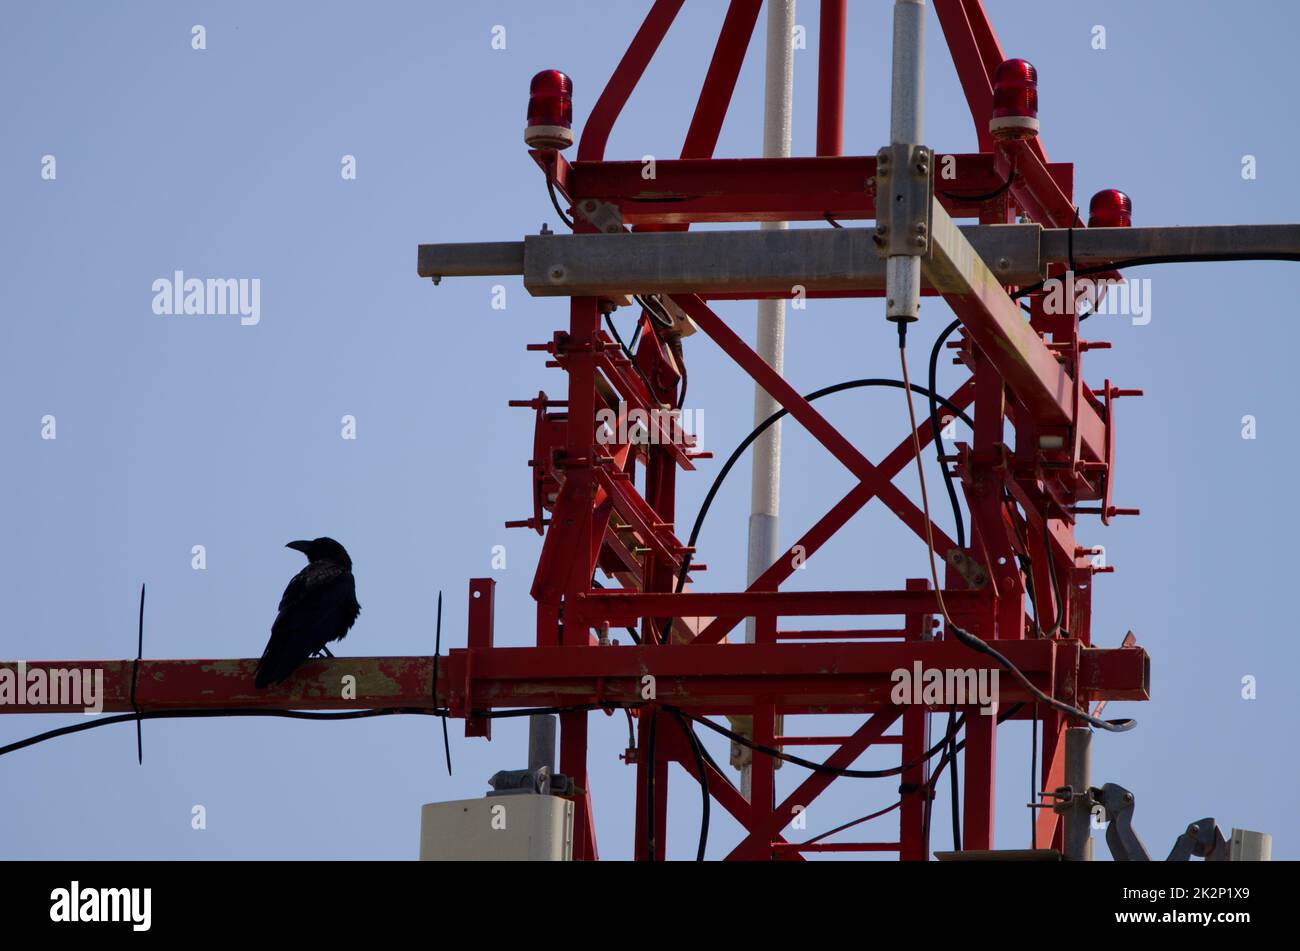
x: 198, y: 684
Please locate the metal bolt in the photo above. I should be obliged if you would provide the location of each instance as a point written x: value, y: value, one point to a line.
x: 557, y: 273
x: 1003, y: 264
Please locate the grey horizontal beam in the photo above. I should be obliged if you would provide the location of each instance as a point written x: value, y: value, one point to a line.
x: 478, y: 259
x: 1094, y: 246
x: 741, y: 262
x: 818, y: 259
x: 711, y: 262
x: 702, y: 262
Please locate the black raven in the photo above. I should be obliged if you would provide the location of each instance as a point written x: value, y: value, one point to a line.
x: 319, y: 606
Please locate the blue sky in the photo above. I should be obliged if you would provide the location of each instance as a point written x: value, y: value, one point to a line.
x: 173, y: 432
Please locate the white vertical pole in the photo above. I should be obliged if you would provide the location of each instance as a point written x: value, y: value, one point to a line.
x: 906, y: 127
x: 765, y: 492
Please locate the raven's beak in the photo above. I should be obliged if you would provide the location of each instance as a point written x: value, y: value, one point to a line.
x: 304, y: 547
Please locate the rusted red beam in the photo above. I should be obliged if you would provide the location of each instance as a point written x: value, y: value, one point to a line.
x: 846, y: 677
x: 682, y: 191
x: 703, y: 678
x: 208, y: 684
x: 732, y: 678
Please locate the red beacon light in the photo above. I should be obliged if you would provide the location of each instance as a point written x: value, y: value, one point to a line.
x: 1015, y: 100
x: 550, y: 111
x: 1110, y: 209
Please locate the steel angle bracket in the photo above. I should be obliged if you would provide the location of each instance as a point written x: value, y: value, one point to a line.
x: 602, y: 215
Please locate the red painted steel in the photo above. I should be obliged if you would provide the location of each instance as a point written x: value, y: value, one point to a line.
x: 611, y: 508
x: 1063, y: 437
x: 801, y: 188
x: 830, y: 78
x: 844, y: 675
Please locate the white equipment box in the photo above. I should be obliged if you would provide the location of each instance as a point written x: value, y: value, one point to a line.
x: 497, y: 828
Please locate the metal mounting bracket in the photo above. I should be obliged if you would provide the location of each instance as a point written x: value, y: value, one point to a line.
x: 904, y: 200
x: 602, y: 215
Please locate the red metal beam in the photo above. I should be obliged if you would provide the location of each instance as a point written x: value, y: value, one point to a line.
x: 595, y: 134
x: 720, y: 80
x: 830, y: 78
x: 1019, y: 378
x: 684, y: 191
x: 705, y: 679
x: 619, y: 607
x: 976, y: 80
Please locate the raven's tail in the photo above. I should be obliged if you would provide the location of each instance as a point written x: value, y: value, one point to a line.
x: 274, y: 668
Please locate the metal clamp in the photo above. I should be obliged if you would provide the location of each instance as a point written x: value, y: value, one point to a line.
x: 602, y: 215
x: 904, y: 200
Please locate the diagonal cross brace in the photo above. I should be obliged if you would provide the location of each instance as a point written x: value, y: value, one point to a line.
x: 759, y: 840
x: 809, y: 418
x: 830, y: 523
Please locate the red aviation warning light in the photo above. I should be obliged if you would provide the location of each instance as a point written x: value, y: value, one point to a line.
x: 1110, y: 209
x: 550, y: 111
x: 1015, y: 100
